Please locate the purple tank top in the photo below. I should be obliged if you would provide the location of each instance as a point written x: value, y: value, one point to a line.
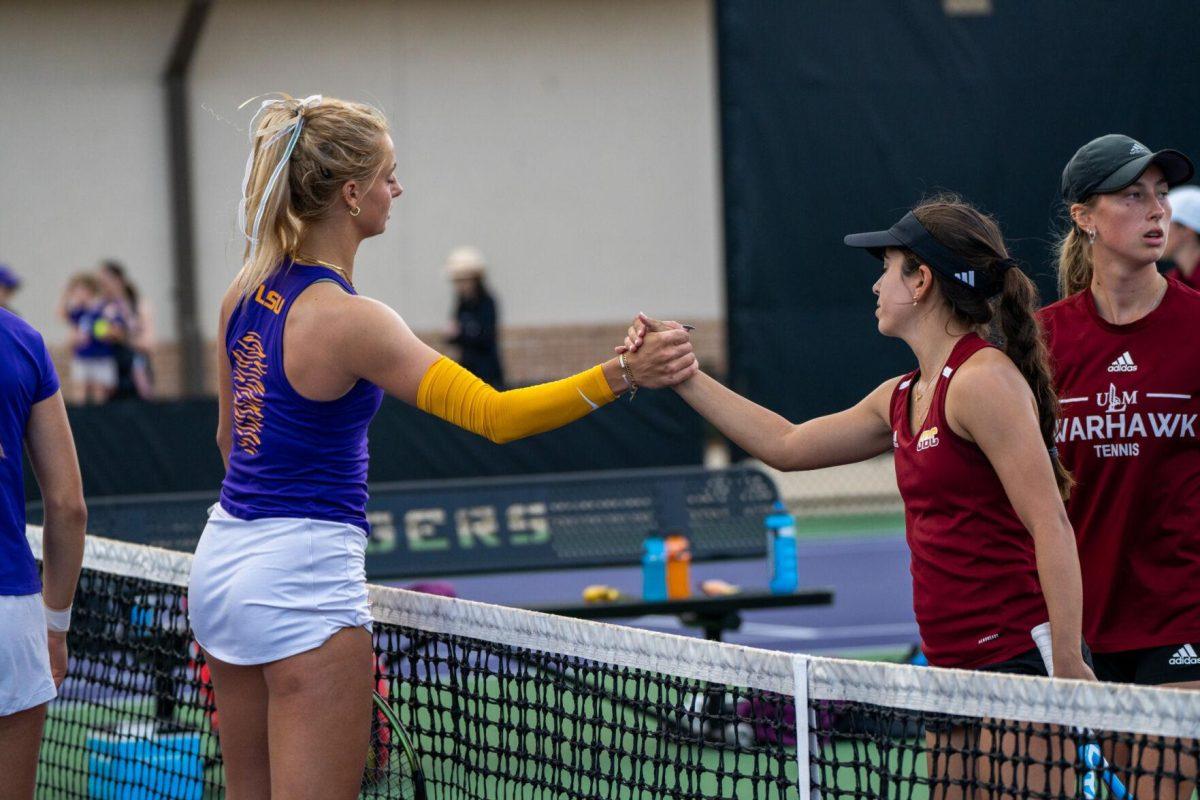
x: 291, y: 457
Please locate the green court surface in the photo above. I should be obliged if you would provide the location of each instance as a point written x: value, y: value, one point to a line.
x: 494, y: 737
x: 849, y: 526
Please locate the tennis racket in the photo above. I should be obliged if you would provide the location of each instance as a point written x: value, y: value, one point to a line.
x: 1089, y: 751
x: 393, y: 768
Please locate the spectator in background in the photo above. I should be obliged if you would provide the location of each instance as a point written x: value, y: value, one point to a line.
x: 135, y: 375
x: 474, y: 327
x: 9, y: 284
x: 1183, y: 237
x: 95, y: 326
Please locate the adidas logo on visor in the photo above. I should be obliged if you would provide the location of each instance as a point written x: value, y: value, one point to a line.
x: 1184, y: 656
x: 966, y: 277
x: 1123, y: 363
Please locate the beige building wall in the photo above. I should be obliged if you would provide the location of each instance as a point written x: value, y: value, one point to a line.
x: 83, y: 169
x: 573, y: 141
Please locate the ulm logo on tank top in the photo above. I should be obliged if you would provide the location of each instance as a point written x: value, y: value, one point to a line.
x: 928, y: 439
x: 1119, y: 418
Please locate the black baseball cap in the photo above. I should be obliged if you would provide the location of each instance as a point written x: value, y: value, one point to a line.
x: 910, y: 234
x: 1113, y: 161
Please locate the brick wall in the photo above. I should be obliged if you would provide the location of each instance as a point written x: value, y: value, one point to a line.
x: 531, y: 354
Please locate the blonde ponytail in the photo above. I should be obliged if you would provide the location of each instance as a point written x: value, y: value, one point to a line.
x: 302, y: 153
x: 1074, y: 262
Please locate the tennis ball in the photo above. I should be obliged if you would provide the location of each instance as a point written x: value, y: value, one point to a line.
x: 599, y: 593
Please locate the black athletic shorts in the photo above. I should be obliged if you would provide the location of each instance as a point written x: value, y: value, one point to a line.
x: 1027, y: 663
x: 1030, y: 663
x: 1150, y: 666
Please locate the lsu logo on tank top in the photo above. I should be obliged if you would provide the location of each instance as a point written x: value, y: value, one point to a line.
x: 1129, y: 432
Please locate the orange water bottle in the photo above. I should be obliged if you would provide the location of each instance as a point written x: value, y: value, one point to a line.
x: 679, y: 562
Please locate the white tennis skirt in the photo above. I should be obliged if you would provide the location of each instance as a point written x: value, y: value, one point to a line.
x: 25, y: 680
x: 265, y: 589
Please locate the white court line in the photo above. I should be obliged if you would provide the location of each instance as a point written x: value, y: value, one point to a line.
x: 766, y: 630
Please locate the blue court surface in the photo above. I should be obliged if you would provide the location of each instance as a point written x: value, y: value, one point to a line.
x: 871, y: 614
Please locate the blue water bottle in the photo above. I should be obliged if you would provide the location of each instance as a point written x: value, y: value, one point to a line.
x: 654, y: 568
x: 781, y: 549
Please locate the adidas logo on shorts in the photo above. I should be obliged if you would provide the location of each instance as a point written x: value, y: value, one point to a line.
x: 1123, y: 363
x: 1184, y: 656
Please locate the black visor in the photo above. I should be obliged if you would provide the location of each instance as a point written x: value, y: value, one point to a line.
x: 910, y: 234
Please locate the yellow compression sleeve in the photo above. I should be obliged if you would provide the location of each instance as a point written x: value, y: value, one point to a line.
x: 452, y: 393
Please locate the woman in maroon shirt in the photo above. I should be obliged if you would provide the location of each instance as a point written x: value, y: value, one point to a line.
x: 1127, y: 370
x: 1183, y: 236
x: 993, y: 553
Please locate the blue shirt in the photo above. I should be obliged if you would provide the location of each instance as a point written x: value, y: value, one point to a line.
x: 93, y: 320
x: 27, y: 377
x: 291, y: 456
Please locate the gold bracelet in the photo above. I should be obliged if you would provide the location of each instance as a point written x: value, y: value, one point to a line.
x: 627, y: 375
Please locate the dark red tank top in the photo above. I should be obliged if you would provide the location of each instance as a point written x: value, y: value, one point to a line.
x: 975, y: 586
x: 1130, y: 434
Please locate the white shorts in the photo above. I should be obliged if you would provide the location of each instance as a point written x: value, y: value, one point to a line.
x: 25, y: 680
x: 262, y: 590
x: 100, y: 371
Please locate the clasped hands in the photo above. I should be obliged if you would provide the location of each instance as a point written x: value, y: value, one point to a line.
x: 659, y: 354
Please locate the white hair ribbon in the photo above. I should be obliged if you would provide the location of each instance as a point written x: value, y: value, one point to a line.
x: 294, y: 127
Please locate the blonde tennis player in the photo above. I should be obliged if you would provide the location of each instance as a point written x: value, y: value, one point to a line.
x: 278, y: 598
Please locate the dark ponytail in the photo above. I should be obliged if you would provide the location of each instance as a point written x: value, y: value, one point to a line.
x: 1023, y: 343
x: 1009, y: 319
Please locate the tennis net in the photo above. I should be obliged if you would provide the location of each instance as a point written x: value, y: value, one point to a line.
x: 504, y: 703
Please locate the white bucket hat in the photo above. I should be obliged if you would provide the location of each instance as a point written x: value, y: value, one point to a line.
x: 1185, y: 206
x: 465, y: 261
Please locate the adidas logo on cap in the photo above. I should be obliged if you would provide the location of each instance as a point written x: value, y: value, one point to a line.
x: 1184, y: 656
x: 1137, y: 148
x: 966, y: 277
x: 1123, y: 363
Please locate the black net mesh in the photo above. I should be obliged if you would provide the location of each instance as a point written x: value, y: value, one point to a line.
x: 137, y: 717
x: 637, y: 715
x: 869, y: 751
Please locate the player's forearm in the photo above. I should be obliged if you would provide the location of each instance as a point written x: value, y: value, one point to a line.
x: 62, y: 550
x: 452, y: 393
x: 757, y: 430
x: 1062, y: 588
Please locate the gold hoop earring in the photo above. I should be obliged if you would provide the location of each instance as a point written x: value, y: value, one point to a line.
x: 354, y: 212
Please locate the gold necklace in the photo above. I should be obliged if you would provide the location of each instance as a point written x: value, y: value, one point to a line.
x: 917, y: 392
x: 334, y: 267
